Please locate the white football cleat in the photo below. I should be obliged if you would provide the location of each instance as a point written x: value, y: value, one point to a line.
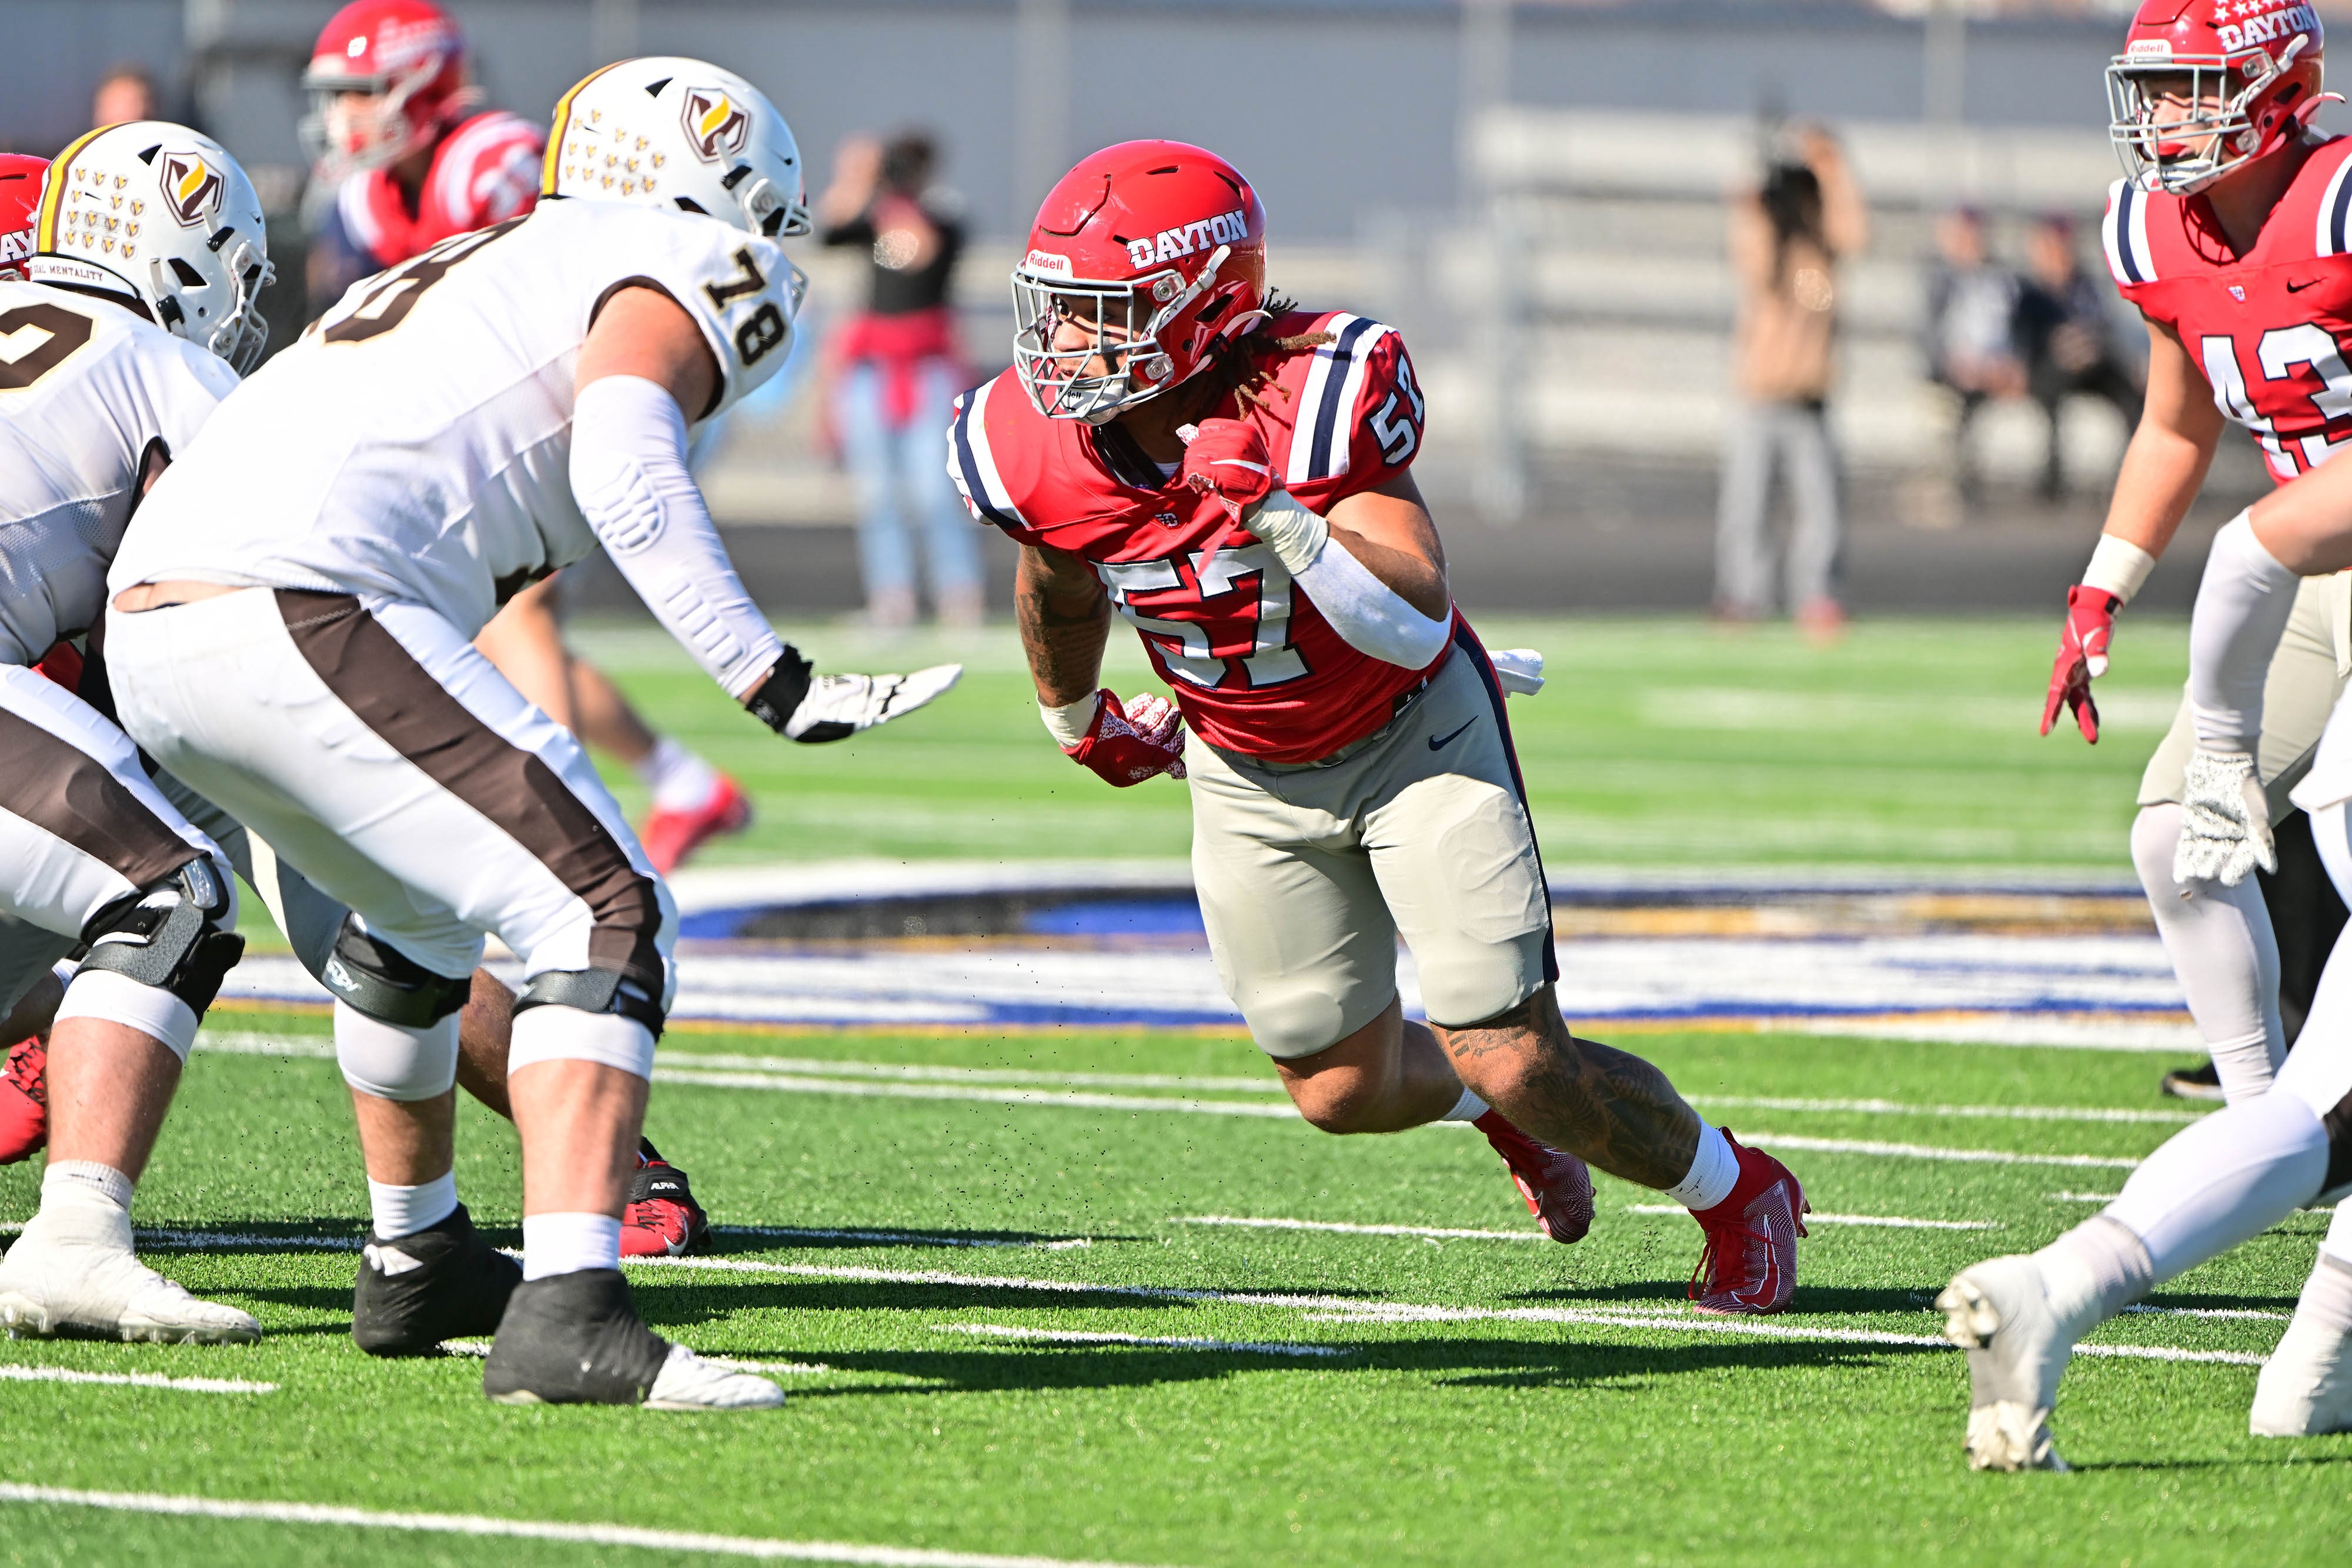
x: 1999, y: 1312
x: 2306, y: 1389
x: 686, y: 1382
x: 72, y: 1272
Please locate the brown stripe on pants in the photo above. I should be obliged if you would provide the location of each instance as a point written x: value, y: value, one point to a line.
x: 69, y: 794
x: 374, y: 675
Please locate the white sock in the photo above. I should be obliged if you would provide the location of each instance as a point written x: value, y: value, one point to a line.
x: 1715, y: 1171
x: 680, y: 780
x: 2223, y: 1180
x: 567, y: 1243
x: 1469, y: 1108
x: 2095, y: 1271
x: 404, y: 1210
x: 85, y: 1184
x: 2224, y: 950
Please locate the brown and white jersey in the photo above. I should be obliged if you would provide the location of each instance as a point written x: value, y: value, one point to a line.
x: 87, y: 388
x: 416, y: 442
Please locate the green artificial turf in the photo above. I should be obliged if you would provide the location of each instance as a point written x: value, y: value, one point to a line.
x: 1466, y: 1442
x: 1658, y: 742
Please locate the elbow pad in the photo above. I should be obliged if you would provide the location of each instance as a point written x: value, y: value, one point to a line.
x: 630, y: 478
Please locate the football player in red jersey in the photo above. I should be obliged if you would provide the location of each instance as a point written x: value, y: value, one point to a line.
x: 397, y: 126
x: 2231, y: 235
x: 1234, y: 476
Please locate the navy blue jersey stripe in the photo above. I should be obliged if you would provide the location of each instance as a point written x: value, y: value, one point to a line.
x: 1467, y: 647
x: 972, y: 484
x: 1335, y: 383
x: 2125, y: 198
x: 2338, y: 243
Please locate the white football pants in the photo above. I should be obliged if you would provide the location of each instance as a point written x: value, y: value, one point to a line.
x: 389, y: 762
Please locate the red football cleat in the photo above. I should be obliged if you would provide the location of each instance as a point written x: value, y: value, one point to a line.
x: 25, y: 1102
x: 1556, y: 1185
x: 670, y: 837
x: 662, y: 1220
x: 1749, y: 1262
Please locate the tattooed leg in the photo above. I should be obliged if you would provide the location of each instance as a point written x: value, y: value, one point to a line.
x: 1611, y: 1107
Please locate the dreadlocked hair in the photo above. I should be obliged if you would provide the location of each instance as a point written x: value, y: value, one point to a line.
x: 1241, y: 365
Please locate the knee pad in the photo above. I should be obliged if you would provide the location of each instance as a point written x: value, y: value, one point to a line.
x: 395, y: 1062
x: 594, y: 991
x: 167, y: 935
x: 381, y: 983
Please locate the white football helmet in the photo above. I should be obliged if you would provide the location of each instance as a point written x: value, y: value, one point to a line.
x: 678, y: 132
x: 163, y: 215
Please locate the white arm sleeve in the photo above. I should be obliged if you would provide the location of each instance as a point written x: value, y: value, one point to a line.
x: 629, y: 475
x: 2241, y: 610
x: 1370, y: 616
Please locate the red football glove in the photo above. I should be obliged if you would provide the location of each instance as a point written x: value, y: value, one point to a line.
x: 1126, y: 745
x: 2081, y: 654
x: 1227, y: 458
x: 63, y: 665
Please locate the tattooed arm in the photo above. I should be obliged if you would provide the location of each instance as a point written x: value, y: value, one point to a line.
x: 1064, y: 613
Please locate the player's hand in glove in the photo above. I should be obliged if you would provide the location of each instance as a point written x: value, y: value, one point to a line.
x: 811, y: 708
x: 2225, y: 823
x: 1129, y: 743
x: 1227, y: 458
x: 2081, y: 655
x: 1520, y: 671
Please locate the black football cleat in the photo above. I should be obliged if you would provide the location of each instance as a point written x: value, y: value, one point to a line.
x: 576, y: 1339
x: 2194, y: 1083
x: 442, y: 1282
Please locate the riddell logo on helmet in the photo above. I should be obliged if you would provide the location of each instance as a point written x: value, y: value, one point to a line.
x: 1226, y: 228
x: 191, y: 187
x: 1047, y: 261
x: 714, y: 124
x: 2276, y: 27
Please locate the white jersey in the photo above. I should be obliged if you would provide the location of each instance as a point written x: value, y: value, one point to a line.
x: 416, y: 442
x: 87, y: 388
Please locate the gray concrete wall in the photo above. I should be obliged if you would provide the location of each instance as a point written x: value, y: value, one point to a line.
x: 1336, y: 106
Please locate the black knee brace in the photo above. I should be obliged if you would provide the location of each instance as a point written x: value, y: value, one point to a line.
x: 386, y: 985
x: 2338, y: 1124
x: 167, y: 935
x: 594, y: 991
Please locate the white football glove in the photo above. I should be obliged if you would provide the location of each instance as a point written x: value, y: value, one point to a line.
x: 1520, y: 671
x: 834, y: 707
x: 2225, y: 824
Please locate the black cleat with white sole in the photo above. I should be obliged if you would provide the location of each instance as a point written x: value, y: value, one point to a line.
x: 441, y: 1282
x: 576, y: 1339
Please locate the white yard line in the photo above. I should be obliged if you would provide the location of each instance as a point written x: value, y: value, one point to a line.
x: 1424, y: 1230
x: 895, y: 1237
x: 1931, y: 1152
x: 249, y: 1043
x: 816, y: 1066
x: 248, y: 1238
x: 781, y: 1085
x: 529, y: 1529
x: 1177, y: 1342
x: 2220, y: 1314
x: 1997, y: 1112
x: 2085, y: 1196
x: 481, y: 1347
x: 136, y: 1380
x: 1892, y: 1222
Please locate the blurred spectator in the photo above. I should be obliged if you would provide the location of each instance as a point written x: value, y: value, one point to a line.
x: 1787, y: 238
x: 896, y: 371
x: 123, y: 94
x: 1971, y: 321
x: 2067, y: 338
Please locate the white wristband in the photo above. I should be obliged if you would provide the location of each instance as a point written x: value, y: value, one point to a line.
x: 1070, y: 722
x: 1296, y: 535
x: 2118, y: 567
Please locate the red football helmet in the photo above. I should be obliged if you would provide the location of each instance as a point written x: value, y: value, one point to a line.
x: 386, y: 77
x: 2203, y: 86
x: 20, y: 205
x: 1143, y: 258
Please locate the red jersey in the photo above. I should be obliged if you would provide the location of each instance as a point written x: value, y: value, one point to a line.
x: 1254, y: 666
x: 2272, y: 328
x: 484, y: 170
